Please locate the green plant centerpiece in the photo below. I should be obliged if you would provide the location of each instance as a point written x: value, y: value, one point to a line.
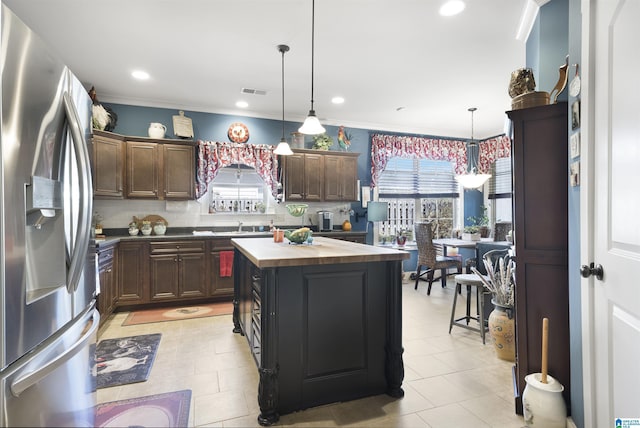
x: 478, y: 224
x: 322, y: 142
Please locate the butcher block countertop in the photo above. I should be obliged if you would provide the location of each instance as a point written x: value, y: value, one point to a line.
x: 264, y: 253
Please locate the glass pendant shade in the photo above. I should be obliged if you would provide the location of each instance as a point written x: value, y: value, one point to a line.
x: 472, y: 180
x: 311, y: 125
x: 283, y: 149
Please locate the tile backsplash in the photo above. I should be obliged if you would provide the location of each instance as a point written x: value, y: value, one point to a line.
x: 118, y: 214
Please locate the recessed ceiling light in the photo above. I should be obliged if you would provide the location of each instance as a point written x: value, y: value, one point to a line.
x: 140, y: 75
x: 452, y: 7
x: 242, y: 104
x: 337, y: 100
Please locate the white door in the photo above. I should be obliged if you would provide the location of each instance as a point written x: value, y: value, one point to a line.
x: 610, y: 201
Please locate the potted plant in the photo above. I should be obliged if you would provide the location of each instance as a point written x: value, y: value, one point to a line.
x: 322, y: 142
x: 478, y: 224
x: 501, y: 282
x: 471, y: 233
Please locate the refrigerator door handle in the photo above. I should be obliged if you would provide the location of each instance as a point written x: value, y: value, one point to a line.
x: 80, y: 246
x: 22, y: 383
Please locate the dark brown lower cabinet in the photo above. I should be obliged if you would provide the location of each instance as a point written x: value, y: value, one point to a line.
x: 133, y: 272
x: 178, y: 270
x: 540, y: 200
x: 219, y: 285
x: 147, y: 272
x: 107, y: 265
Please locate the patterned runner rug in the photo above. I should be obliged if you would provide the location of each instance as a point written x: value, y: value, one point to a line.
x: 178, y: 313
x: 161, y: 410
x: 125, y: 360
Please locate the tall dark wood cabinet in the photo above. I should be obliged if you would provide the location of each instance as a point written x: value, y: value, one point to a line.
x: 540, y: 176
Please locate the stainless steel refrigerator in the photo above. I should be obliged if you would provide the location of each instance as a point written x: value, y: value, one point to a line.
x: 48, y: 320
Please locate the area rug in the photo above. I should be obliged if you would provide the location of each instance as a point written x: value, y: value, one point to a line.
x: 161, y: 410
x: 125, y: 360
x: 178, y: 313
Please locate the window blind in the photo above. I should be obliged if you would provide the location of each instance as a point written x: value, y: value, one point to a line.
x: 418, y: 178
x: 500, y: 184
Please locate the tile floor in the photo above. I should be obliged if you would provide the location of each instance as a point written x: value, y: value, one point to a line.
x: 451, y: 380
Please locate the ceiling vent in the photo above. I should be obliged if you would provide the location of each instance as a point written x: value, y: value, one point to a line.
x: 253, y: 91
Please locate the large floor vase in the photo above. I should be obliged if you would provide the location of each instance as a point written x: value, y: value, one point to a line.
x: 503, y: 331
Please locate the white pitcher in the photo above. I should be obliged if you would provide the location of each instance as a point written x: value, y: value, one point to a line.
x: 157, y: 130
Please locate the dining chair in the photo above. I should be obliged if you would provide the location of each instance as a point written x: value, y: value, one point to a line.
x: 483, y: 296
x: 430, y: 260
x: 500, y: 230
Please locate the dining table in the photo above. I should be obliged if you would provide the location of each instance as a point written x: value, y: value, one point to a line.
x: 464, y: 243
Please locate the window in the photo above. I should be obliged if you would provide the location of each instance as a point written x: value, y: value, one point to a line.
x: 418, y: 190
x: 238, y: 189
x: 500, y: 189
x: 418, y: 177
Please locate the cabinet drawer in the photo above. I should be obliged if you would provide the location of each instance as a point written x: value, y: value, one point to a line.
x: 256, y: 281
x: 105, y: 259
x: 177, y: 247
x: 256, y: 305
x: 219, y: 244
x: 256, y: 347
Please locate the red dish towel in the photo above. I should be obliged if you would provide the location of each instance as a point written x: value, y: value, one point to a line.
x: 226, y: 263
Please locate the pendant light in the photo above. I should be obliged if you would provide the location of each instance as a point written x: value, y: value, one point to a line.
x: 311, y: 125
x: 472, y: 180
x: 283, y: 148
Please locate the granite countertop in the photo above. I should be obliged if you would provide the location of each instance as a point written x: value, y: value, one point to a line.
x: 263, y: 252
x: 186, y: 233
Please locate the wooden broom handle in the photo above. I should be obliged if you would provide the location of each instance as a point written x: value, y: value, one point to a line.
x: 545, y: 349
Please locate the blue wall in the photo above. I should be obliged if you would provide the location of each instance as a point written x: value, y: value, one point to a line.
x: 575, y: 290
x: 547, y: 46
x: 135, y: 120
x: 556, y: 33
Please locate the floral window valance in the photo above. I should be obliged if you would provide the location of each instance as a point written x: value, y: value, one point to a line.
x: 212, y: 156
x: 384, y: 147
x: 492, y: 149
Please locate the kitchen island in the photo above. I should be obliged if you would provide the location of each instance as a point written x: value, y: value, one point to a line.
x: 323, y: 321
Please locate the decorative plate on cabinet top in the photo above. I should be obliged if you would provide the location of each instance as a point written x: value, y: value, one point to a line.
x: 238, y: 132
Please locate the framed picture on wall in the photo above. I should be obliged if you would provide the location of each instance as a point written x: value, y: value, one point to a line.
x: 575, y: 115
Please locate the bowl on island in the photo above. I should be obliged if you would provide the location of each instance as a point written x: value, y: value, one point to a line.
x: 298, y: 236
x: 297, y: 210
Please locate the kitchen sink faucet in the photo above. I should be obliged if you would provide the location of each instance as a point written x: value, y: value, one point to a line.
x: 240, y: 226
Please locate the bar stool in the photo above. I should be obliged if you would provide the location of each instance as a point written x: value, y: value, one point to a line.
x: 469, y: 280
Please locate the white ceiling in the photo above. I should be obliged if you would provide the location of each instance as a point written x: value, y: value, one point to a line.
x: 378, y: 54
